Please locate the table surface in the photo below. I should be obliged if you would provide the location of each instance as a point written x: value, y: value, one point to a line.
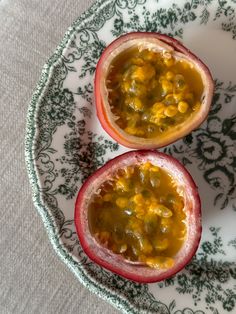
x: 33, y: 278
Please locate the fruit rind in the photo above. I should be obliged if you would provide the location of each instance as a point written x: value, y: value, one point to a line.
x: 104, y: 113
x: 116, y: 263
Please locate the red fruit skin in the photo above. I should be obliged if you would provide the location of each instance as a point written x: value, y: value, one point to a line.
x: 116, y: 263
x: 101, y: 114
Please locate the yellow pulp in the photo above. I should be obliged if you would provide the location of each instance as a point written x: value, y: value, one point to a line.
x: 140, y: 215
x: 150, y: 92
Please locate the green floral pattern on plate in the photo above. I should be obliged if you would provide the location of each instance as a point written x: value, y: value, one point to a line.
x: 65, y: 144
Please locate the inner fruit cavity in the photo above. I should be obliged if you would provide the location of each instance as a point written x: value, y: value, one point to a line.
x: 138, y: 213
x: 149, y: 92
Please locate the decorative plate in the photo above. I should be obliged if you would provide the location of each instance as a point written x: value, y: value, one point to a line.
x: 65, y: 144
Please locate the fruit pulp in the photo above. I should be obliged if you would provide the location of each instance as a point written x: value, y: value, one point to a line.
x: 149, y: 92
x: 139, y: 213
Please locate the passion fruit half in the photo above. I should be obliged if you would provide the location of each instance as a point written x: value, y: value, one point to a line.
x: 139, y: 216
x: 150, y: 90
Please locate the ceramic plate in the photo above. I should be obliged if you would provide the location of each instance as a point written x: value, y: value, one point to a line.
x: 65, y: 144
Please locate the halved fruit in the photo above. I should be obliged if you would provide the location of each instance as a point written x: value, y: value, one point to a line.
x: 150, y: 90
x: 139, y: 216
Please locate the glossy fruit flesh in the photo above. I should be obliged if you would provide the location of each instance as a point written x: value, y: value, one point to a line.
x: 139, y: 216
x: 150, y: 92
x: 149, y: 225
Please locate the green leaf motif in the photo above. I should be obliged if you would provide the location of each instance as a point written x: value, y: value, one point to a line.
x: 204, y: 16
x: 188, y: 311
x: 205, y: 276
x: 91, y: 55
x: 230, y: 27
x: 83, y: 155
x: 232, y: 243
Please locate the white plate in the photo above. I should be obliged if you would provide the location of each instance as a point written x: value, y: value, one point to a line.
x: 65, y: 143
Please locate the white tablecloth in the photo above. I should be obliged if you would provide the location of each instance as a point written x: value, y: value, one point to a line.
x: 32, y: 277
